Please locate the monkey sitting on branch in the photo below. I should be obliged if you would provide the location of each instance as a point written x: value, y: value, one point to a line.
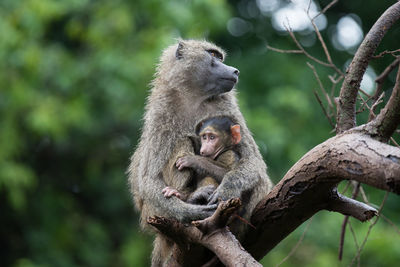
x: 218, y: 137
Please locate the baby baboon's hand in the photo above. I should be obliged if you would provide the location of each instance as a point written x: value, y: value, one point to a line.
x: 169, y: 192
x: 185, y: 162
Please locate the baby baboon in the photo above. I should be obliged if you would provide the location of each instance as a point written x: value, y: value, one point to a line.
x: 218, y: 137
x: 191, y: 84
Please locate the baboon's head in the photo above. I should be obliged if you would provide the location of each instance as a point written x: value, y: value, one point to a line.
x: 197, y: 67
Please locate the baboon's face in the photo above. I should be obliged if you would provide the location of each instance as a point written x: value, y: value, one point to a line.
x: 218, y: 78
x: 204, y: 68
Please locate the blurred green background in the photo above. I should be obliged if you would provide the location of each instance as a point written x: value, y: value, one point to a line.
x: 74, y: 76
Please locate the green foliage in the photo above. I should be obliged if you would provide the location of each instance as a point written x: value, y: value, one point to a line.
x: 74, y: 76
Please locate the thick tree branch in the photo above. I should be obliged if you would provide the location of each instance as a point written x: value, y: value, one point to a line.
x: 307, y: 187
x: 356, y: 70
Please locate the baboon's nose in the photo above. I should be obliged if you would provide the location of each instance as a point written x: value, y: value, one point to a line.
x: 236, y: 71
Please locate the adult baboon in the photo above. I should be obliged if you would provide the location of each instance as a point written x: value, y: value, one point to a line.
x: 191, y: 84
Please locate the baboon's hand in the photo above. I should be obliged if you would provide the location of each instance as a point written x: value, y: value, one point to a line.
x: 201, y: 195
x: 197, y: 212
x: 220, y: 194
x: 169, y: 192
x: 185, y: 162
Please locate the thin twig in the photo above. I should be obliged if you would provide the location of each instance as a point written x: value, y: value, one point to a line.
x: 365, y: 93
x: 323, y: 44
x: 374, y: 106
x: 325, y: 8
x: 364, y: 104
x: 387, y: 52
x: 354, y: 195
x: 320, y: 85
x: 346, y: 187
x: 397, y: 229
x: 394, y: 142
x: 363, y: 195
x: 285, y: 51
x: 369, y: 229
x: 291, y: 34
x: 323, y: 109
x: 353, y: 233
x: 381, y: 78
x: 297, y: 244
x: 388, y: 119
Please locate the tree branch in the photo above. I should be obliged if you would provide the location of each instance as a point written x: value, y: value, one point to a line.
x: 351, y: 207
x: 307, y: 187
x: 384, y: 125
x: 356, y: 70
x: 381, y: 78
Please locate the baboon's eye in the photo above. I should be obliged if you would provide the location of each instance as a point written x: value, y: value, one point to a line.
x: 216, y: 54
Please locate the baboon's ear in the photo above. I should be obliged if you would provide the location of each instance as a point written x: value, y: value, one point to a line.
x: 235, y: 132
x: 179, y: 51
x: 198, y: 127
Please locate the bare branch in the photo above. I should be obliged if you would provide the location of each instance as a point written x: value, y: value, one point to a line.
x: 394, y: 142
x: 304, y: 51
x: 356, y: 190
x: 351, y: 207
x: 387, y: 71
x: 393, y: 53
x: 285, y: 51
x: 325, y: 8
x: 380, y: 79
x: 297, y: 244
x: 324, y: 110
x: 323, y: 44
x: 351, y: 84
x: 328, y: 99
x: 355, y: 242
x: 390, y: 222
x: 357, y: 256
x: 374, y: 106
x: 384, y: 125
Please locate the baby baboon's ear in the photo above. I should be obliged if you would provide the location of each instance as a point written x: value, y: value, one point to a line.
x: 235, y: 132
x: 179, y: 51
x: 198, y: 127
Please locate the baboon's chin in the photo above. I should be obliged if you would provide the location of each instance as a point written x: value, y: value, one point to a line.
x: 220, y: 91
x: 226, y: 88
